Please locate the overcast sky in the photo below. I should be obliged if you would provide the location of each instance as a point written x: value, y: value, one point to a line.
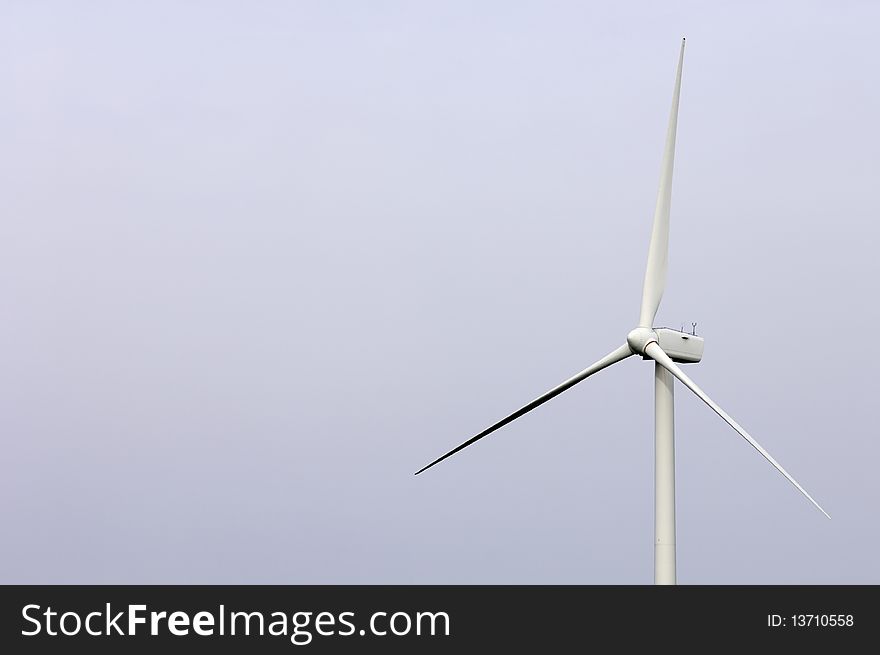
x: 259, y: 262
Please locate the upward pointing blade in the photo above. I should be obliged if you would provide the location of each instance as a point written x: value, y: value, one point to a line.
x: 658, y: 251
x: 655, y: 352
x: 621, y: 353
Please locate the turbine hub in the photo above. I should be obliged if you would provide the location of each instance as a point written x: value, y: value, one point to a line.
x: 639, y: 339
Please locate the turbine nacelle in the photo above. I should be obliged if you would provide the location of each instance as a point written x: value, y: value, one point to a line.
x: 681, y: 347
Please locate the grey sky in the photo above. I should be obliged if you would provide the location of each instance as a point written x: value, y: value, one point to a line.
x: 258, y: 264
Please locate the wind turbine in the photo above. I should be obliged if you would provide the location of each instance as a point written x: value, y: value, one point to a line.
x: 667, y: 348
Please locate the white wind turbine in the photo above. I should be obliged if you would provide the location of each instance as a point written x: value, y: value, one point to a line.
x: 665, y: 347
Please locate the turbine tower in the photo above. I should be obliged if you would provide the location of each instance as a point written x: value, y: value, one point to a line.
x: 666, y: 348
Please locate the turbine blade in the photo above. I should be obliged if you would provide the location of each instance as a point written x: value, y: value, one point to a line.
x: 655, y: 352
x: 658, y: 250
x: 621, y: 353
